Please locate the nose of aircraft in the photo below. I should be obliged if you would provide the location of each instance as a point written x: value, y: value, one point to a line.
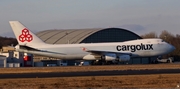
x: 172, y: 48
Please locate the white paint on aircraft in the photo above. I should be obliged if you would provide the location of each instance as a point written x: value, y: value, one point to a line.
x: 28, y: 42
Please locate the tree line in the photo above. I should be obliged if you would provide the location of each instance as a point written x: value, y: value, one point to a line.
x: 5, y: 41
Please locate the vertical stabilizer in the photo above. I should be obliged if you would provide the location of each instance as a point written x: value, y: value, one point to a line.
x: 24, y: 36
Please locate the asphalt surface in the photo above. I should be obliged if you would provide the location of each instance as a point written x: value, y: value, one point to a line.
x: 90, y: 73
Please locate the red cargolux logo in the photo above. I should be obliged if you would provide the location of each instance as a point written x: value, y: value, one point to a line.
x: 25, y: 36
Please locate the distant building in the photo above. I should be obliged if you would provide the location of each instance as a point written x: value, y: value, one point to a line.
x: 77, y: 36
x: 16, y: 58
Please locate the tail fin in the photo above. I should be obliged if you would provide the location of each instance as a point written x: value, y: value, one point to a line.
x: 24, y: 36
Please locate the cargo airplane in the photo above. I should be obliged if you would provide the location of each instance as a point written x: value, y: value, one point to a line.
x: 28, y: 42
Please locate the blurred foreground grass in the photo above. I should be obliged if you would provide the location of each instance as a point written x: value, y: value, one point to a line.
x: 125, y: 81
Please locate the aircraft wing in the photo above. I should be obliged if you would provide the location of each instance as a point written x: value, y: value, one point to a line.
x: 105, y: 52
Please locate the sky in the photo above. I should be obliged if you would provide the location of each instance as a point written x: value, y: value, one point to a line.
x: 139, y: 16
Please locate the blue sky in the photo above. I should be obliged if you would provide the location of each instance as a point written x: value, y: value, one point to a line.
x: 139, y: 16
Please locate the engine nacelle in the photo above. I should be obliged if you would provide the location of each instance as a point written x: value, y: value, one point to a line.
x: 89, y: 57
x: 92, y: 57
x: 110, y: 57
x: 124, y: 58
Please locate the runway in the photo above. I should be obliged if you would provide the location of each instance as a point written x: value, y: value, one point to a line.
x: 90, y: 73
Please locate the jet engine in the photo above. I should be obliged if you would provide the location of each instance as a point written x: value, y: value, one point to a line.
x: 92, y: 57
x: 109, y: 57
x: 106, y: 57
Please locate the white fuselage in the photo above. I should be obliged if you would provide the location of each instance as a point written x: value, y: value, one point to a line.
x: 142, y: 48
x: 29, y: 43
